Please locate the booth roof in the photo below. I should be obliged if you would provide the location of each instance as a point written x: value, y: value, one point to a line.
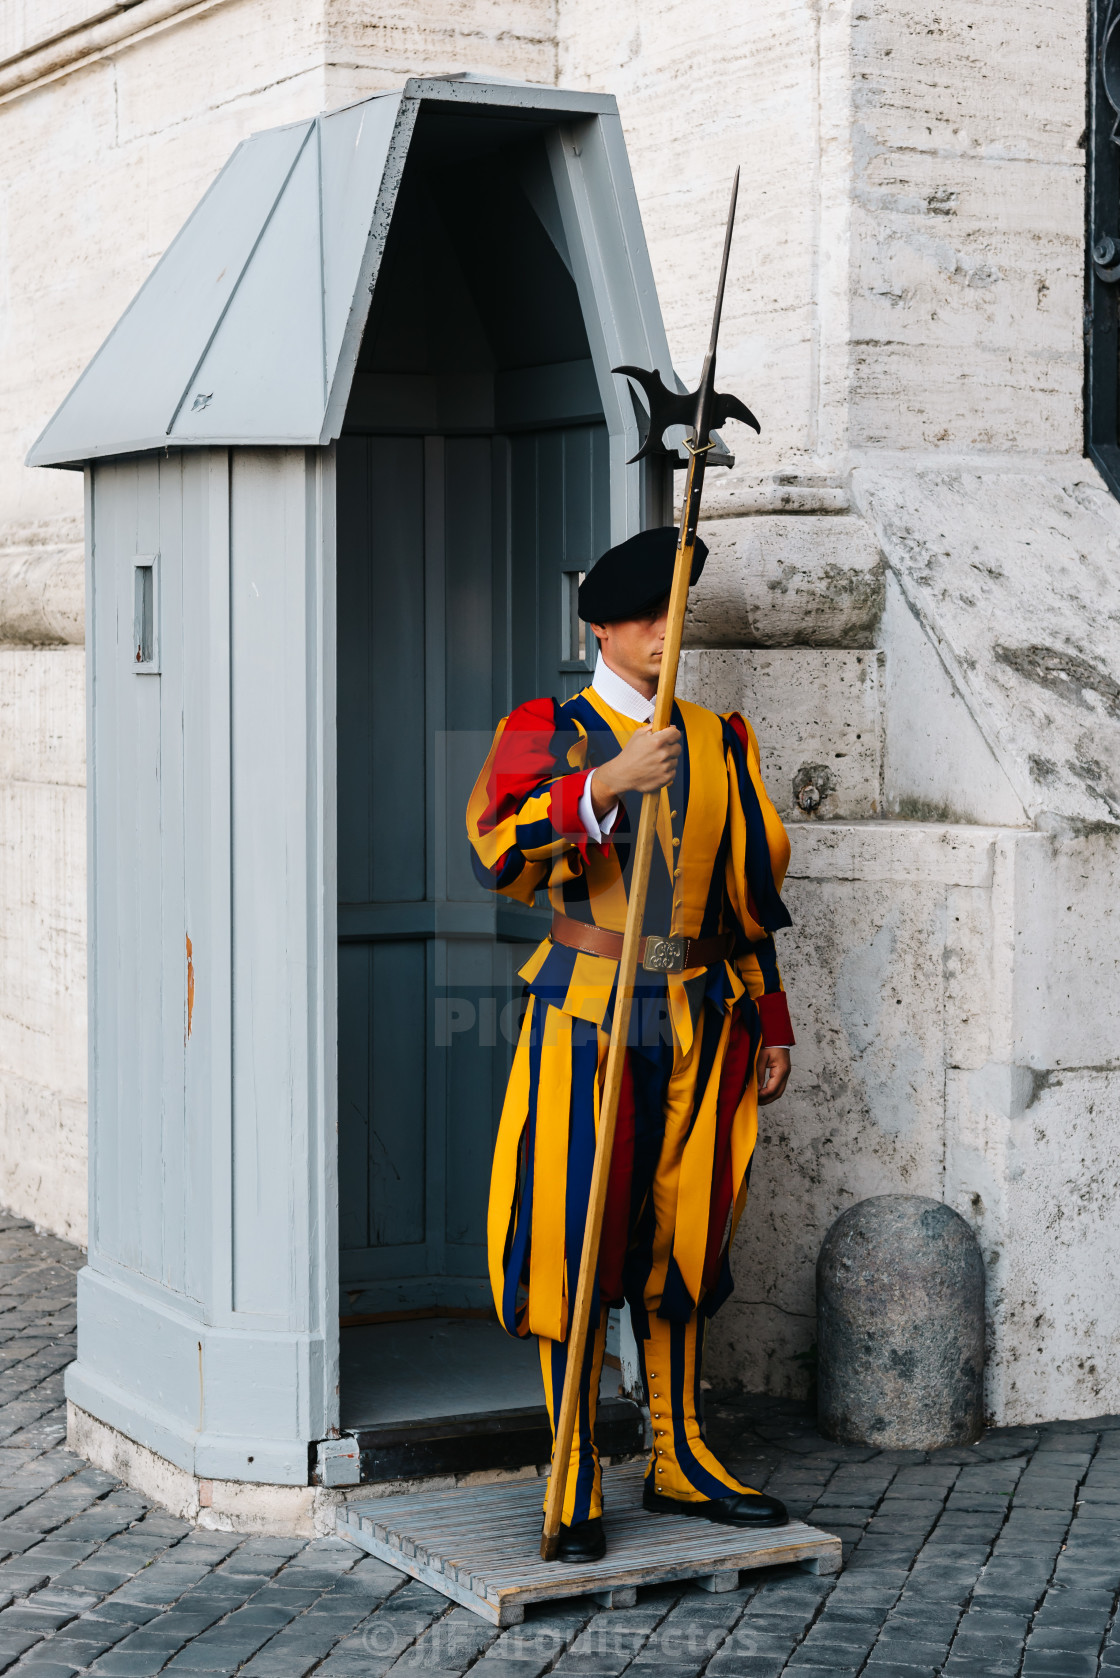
x: 247, y: 330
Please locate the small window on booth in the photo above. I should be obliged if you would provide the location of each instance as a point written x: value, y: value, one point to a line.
x: 1102, y: 273
x: 577, y: 652
x: 145, y: 614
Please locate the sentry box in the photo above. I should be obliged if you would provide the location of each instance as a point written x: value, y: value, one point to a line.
x: 347, y: 453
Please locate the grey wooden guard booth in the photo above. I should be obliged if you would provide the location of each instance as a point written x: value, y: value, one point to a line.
x: 346, y: 455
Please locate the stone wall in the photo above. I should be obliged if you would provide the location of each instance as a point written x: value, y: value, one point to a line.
x: 906, y: 322
x: 908, y: 274
x: 42, y: 936
x: 953, y: 974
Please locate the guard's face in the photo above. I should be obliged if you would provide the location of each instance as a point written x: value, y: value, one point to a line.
x: 633, y: 646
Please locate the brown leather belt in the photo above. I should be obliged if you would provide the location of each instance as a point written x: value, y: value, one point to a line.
x: 657, y: 955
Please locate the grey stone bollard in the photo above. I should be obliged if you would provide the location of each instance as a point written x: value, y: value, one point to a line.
x: 900, y: 1326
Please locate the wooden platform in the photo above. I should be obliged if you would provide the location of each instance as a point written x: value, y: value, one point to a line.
x: 479, y: 1545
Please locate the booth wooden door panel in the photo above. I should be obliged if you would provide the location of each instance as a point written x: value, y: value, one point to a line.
x: 454, y: 556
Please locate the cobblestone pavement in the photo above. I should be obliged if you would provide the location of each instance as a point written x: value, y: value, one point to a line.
x: 996, y: 1560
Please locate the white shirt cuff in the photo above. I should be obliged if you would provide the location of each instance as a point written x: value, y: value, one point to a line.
x: 596, y: 830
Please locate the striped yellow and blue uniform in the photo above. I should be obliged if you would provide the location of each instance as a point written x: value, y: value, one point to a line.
x: 688, y: 1115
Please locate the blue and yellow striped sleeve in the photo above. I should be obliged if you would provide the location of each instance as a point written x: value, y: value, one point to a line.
x: 757, y: 858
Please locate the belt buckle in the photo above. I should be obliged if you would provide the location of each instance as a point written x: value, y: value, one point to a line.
x: 664, y: 955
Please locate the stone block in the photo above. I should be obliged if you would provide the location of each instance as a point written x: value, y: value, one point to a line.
x: 887, y: 1668
x: 914, y: 1647
x: 937, y: 763
x: 1053, y: 1663
x: 873, y: 904
x: 804, y: 1666
x: 725, y: 1664
x: 1005, y: 568
x: 42, y: 604
x: 42, y: 934
x: 774, y: 581
x: 817, y: 716
x: 43, y: 1154
x: 900, y: 1326
x: 42, y: 712
x: 1009, y: 1132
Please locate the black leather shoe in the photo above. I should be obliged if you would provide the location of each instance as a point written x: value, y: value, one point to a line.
x: 582, y: 1541
x: 742, y: 1509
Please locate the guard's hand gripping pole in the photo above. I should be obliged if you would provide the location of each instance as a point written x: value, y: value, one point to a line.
x: 702, y: 409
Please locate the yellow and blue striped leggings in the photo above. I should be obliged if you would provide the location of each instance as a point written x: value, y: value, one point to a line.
x: 680, y: 1465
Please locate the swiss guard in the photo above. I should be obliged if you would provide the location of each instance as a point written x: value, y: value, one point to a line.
x: 557, y: 806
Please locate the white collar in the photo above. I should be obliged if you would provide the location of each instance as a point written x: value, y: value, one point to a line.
x: 619, y: 695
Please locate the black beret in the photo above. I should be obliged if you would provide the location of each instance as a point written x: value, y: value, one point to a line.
x: 634, y: 576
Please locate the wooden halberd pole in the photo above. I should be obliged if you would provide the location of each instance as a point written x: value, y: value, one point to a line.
x: 580, y: 1313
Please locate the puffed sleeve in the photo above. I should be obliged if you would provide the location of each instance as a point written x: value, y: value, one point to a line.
x: 525, y: 807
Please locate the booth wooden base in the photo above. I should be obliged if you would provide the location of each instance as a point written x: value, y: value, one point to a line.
x: 480, y: 1546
